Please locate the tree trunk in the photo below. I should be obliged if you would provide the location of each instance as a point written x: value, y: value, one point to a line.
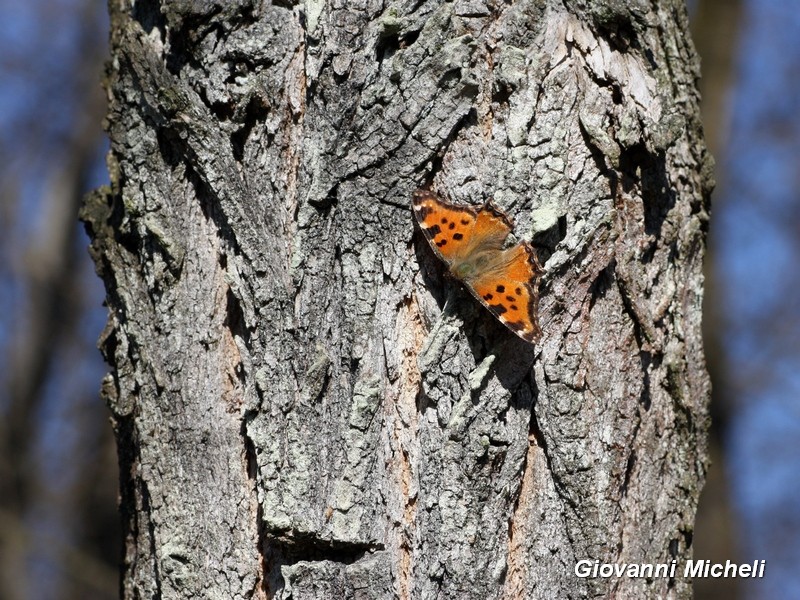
x: 304, y: 407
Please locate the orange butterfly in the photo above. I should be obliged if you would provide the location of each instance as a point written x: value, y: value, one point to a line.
x: 471, y: 241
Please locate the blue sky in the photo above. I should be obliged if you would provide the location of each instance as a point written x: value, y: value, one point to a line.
x: 756, y: 239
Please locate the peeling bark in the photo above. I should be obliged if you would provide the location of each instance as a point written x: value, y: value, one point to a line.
x: 304, y: 406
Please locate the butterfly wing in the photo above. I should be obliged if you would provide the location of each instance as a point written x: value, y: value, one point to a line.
x: 508, y: 288
x: 455, y: 232
x: 491, y: 228
x: 447, y: 227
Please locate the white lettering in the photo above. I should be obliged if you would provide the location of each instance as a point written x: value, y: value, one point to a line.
x: 734, y: 569
x: 583, y: 568
x: 692, y: 570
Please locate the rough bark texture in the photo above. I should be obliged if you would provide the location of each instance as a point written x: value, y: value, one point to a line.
x: 304, y: 407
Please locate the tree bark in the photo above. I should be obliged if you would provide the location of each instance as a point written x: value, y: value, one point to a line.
x: 304, y: 407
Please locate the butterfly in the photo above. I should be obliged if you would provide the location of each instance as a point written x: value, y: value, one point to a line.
x: 470, y: 240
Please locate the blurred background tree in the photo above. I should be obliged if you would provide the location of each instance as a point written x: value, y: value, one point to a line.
x: 752, y: 308
x: 716, y: 27
x: 59, y: 531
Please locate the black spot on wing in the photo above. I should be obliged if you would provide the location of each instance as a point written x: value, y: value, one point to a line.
x: 441, y: 243
x: 465, y: 221
x: 488, y: 297
x: 518, y: 291
x: 498, y: 309
x: 434, y: 231
x: 458, y: 236
x: 510, y: 298
x: 501, y: 289
x: 514, y: 307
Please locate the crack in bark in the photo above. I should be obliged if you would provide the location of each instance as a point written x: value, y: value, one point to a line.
x: 146, y: 511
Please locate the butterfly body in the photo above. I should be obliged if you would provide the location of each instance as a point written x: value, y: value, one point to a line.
x: 470, y: 241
